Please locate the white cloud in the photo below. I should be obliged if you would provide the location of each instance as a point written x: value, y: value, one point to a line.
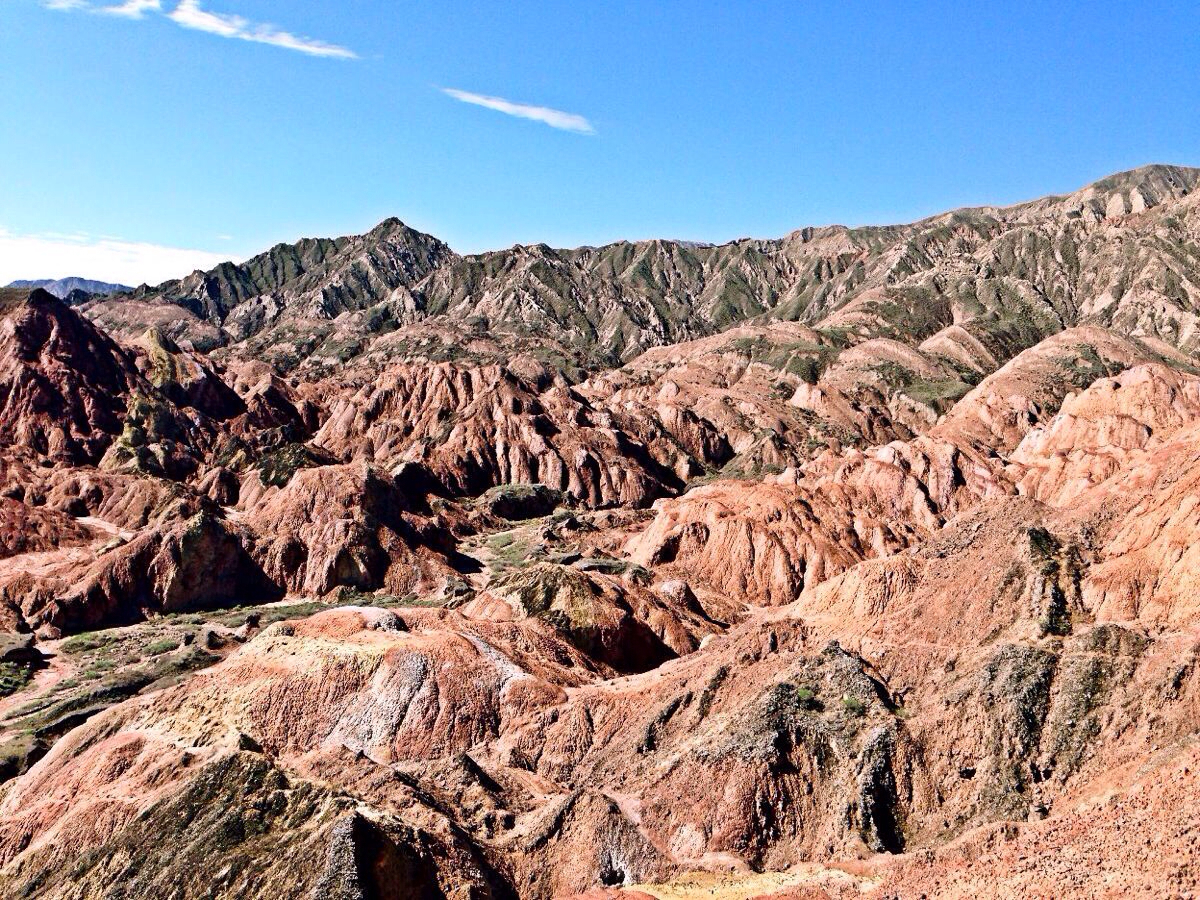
x: 132, y: 9
x: 189, y: 14
x: 555, y: 118
x: 104, y: 259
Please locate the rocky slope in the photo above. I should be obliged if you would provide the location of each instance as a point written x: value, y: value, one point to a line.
x: 857, y: 563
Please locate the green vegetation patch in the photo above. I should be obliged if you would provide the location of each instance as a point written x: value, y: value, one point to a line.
x: 710, y: 690
x: 853, y: 706
x: 513, y: 550
x: 940, y: 393
x: 277, y: 468
x: 1087, y: 366
x: 13, y: 677
x: 803, y: 359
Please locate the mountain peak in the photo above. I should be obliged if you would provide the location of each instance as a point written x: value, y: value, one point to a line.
x: 1156, y: 181
x: 391, y: 223
x: 394, y: 229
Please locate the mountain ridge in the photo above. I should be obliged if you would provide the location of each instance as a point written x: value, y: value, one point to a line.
x: 607, y: 304
x: 1126, y: 178
x: 62, y: 288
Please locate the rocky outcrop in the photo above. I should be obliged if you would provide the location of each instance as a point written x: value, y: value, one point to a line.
x: 1104, y: 429
x: 1028, y: 391
x: 185, y: 565
x: 1144, y: 534
x: 237, y: 824
x: 476, y: 428
x: 756, y: 541
x: 185, y: 379
x: 73, y: 397
x: 614, y: 621
x: 32, y: 529
x: 352, y: 526
x: 765, y: 541
x: 65, y: 383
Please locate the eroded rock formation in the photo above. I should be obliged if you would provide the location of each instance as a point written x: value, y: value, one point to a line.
x: 858, y: 563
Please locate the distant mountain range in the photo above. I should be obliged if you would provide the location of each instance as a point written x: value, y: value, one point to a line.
x: 1109, y: 254
x: 62, y: 288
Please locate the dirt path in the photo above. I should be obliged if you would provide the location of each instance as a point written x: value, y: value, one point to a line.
x: 742, y: 886
x: 107, y: 527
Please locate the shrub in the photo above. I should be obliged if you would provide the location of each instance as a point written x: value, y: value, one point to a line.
x: 84, y: 643
x: 162, y: 646
x: 853, y: 706
x: 13, y: 677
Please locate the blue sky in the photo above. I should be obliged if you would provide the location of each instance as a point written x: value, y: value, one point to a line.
x: 144, y: 140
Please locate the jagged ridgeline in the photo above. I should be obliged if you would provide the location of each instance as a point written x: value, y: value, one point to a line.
x: 1009, y: 276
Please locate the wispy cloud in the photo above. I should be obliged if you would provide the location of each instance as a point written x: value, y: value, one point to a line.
x: 190, y: 14
x: 50, y: 255
x: 555, y: 118
x: 132, y: 9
